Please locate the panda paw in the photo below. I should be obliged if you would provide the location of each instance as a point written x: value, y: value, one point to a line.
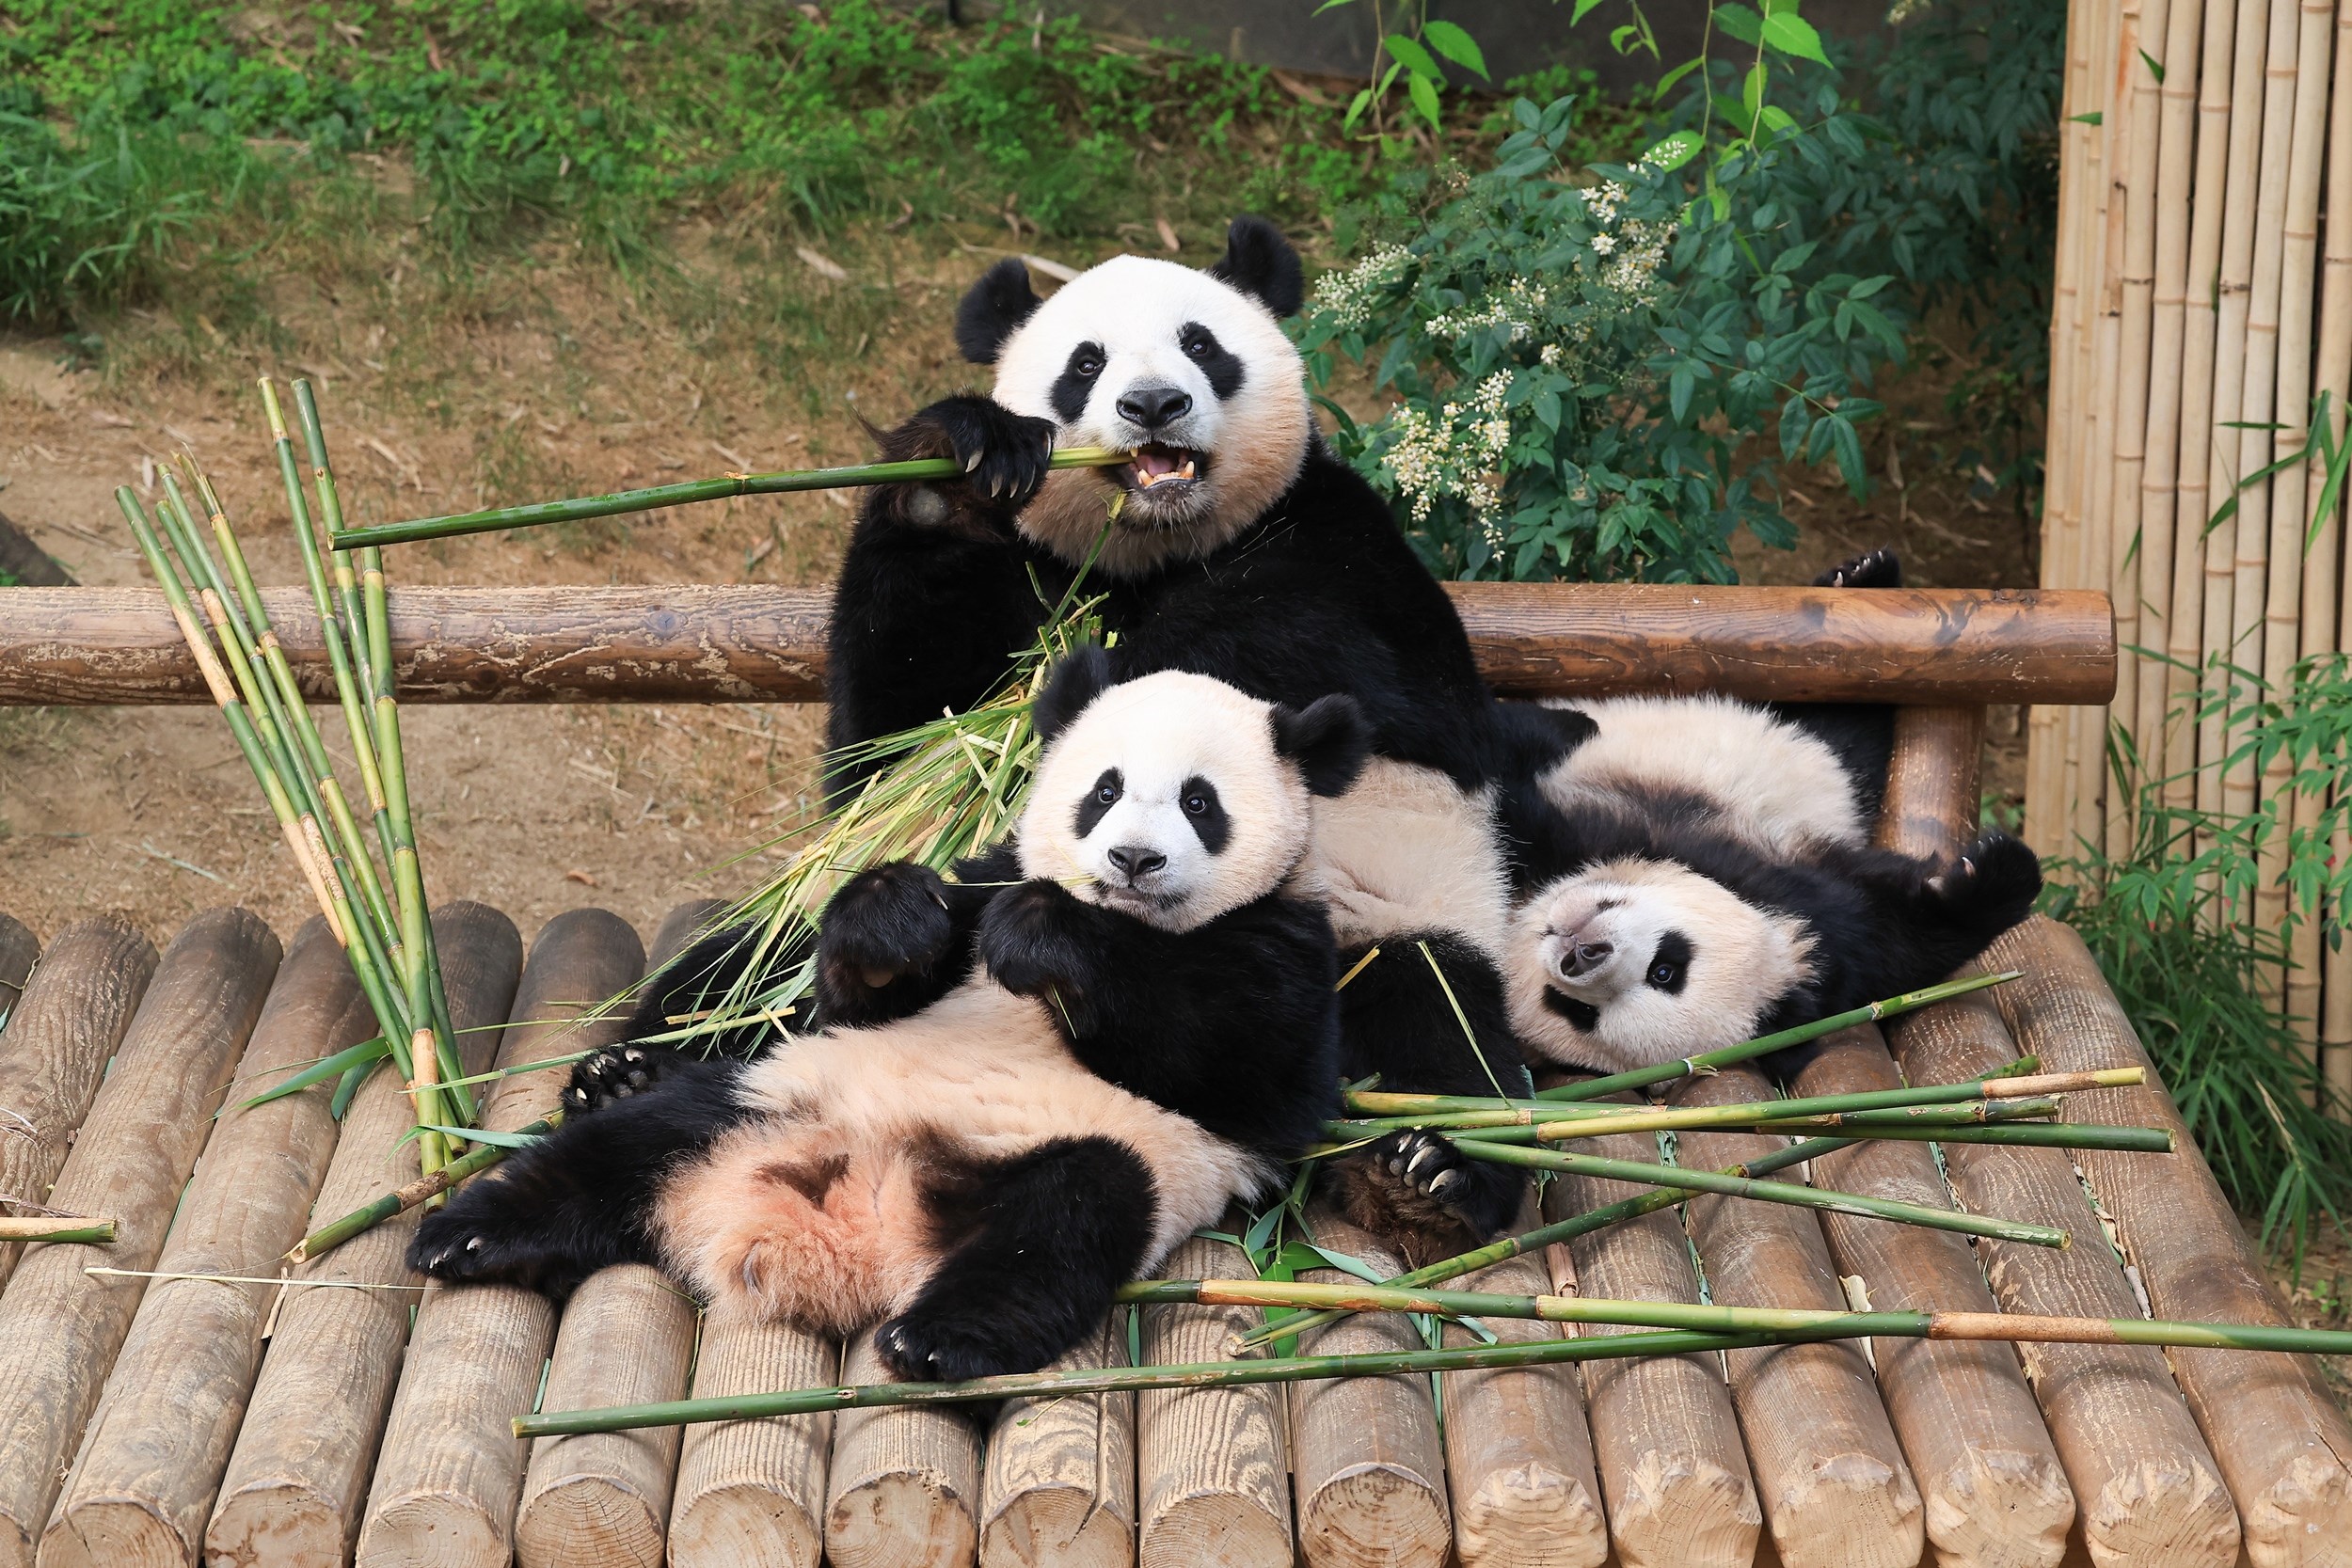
x: 1034, y: 940
x: 885, y: 925
x: 615, y: 1072
x: 1418, y: 1191
x: 476, y: 1238
x: 920, y: 1346
x: 1992, y: 884
x: 1004, y: 455
x: 1876, y: 569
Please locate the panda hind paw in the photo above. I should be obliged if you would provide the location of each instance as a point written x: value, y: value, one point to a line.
x: 1879, y: 568
x: 617, y: 1072
x: 1418, y: 1191
x: 1995, y: 880
x: 927, y: 1347
x: 469, y: 1240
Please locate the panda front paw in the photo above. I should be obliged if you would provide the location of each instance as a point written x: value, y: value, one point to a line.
x: 1034, y: 939
x: 886, y: 925
x: 1876, y: 569
x: 928, y: 1346
x: 1991, y: 886
x: 615, y: 1072
x: 1421, y: 1193
x: 1004, y: 455
x: 477, y: 1237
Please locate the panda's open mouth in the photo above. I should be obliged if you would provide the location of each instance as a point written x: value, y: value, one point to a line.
x: 1159, y: 470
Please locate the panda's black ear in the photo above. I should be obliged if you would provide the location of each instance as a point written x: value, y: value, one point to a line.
x: 1260, y: 261
x: 1328, y: 739
x: 991, y: 308
x: 1076, y: 681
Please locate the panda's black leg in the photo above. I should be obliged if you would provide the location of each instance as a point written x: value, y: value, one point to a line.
x: 1045, y: 1238
x: 550, y: 1215
x: 1920, y: 922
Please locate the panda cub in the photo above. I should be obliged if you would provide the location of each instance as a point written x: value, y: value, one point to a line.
x: 977, y: 1155
x: 1697, y: 871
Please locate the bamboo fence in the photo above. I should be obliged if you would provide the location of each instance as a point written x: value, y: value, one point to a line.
x: 2202, y: 307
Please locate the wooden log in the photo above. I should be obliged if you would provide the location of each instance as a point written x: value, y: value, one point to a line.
x: 1213, y: 1464
x: 1994, y: 1492
x: 298, y: 1475
x: 1674, y: 1474
x: 627, y: 1338
x: 755, y: 1491
x: 906, y: 1483
x: 2147, y: 1491
x: 2282, y: 1444
x: 1931, y: 803
x: 1364, y: 1451
x: 1058, y: 1486
x: 59, y: 1038
x: 451, y: 1469
x: 144, y: 1486
x: 1834, y: 1484
x: 762, y: 645
x: 59, y: 1327
x: 18, y: 951
x: 1517, y: 1456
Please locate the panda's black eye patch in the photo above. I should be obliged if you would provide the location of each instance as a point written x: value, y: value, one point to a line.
x: 1206, y: 814
x: 1217, y: 362
x: 1075, y: 384
x: 1670, y: 964
x: 1101, y: 799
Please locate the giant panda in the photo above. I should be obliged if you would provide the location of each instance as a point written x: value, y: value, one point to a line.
x: 1241, y: 549
x: 1696, y: 871
x: 1149, y: 1031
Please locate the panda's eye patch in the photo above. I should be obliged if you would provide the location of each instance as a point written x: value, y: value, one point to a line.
x: 1101, y: 799
x: 1197, y: 797
x: 1075, y: 384
x: 1219, y: 363
x: 1670, y: 965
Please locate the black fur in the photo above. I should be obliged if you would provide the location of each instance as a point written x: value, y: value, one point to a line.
x: 1076, y: 680
x: 1328, y: 740
x: 1261, y: 261
x: 993, y: 309
x: 1221, y: 365
x: 1075, y: 387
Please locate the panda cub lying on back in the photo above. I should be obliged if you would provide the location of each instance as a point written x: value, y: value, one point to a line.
x: 981, y: 1153
x: 1697, y: 872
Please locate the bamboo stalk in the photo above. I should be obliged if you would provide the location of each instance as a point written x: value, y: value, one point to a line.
x: 1500, y: 1123
x: 1764, y: 1326
x: 1768, y: 1191
x: 2105, y: 563
x: 1617, y: 1083
x: 2129, y: 1140
x: 685, y: 493
x: 43, y: 1228
x: 2323, y: 596
x: 431, y: 1186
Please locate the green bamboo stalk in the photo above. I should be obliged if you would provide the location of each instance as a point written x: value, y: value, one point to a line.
x: 426, y: 1187
x: 1769, y: 1192
x: 1506, y: 1123
x: 1764, y: 1045
x: 1793, y: 1326
x: 59, y: 1227
x: 685, y: 493
x: 2070, y: 1134
x: 1558, y: 1230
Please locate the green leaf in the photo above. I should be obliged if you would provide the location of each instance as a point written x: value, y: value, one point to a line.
x: 483, y: 1135
x: 1424, y: 96
x: 1620, y: 37
x: 1326, y: 6
x: 1740, y: 23
x: 1449, y: 40
x: 1774, y: 8
x: 319, y: 1073
x: 1666, y: 84
x: 1411, y: 55
x: 1355, y: 110
x: 2155, y: 68
x: 1673, y: 152
x: 2093, y: 117
x: 1792, y: 35
x: 1778, y: 119
x: 1584, y: 9
x: 1679, y: 387
x: 1752, y: 90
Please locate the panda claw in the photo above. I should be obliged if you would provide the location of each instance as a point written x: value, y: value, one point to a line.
x: 1447, y: 1183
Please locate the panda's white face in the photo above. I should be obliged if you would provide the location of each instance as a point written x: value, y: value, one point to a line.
x: 1166, y: 798
x: 1189, y: 373
x: 1635, y: 962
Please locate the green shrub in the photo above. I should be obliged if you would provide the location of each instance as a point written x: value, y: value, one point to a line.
x: 87, y: 219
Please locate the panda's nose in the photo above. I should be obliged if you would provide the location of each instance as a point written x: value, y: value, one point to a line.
x: 1135, y: 862
x: 1583, y: 957
x: 1155, y: 407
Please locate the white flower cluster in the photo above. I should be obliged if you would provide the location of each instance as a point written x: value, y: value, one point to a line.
x: 1350, y: 295
x: 1635, y: 253
x: 1518, y: 307
x: 1459, y: 452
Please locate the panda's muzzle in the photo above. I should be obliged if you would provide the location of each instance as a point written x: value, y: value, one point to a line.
x: 1158, y: 470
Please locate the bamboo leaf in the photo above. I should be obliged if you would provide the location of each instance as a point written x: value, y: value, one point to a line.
x: 348, y: 1060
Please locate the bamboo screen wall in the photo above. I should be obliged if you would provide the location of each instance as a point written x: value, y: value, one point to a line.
x: 2202, y: 143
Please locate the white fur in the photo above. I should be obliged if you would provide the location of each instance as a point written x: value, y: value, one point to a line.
x: 1770, y: 784
x: 1742, y: 961
x: 1134, y: 307
x: 1408, y: 850
x: 1159, y: 732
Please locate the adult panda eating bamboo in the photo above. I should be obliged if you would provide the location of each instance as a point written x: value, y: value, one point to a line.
x: 1242, y: 549
x: 1125, y: 1021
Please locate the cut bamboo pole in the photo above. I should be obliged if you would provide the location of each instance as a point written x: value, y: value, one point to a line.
x: 2103, y: 563
x: 2146, y: 1487
x: 1674, y: 1474
x: 627, y: 1338
x: 59, y: 1327
x: 59, y: 1038
x: 2175, y: 137
x: 1834, y: 1487
x: 142, y: 1487
x: 2282, y: 1443
x: 2191, y: 548
x: 1518, y: 1455
x: 905, y: 1484
x: 1058, y: 1487
x: 18, y: 951
x: 755, y: 1491
x: 297, y: 1479
x: 1364, y: 1451
x: 2323, y: 599
x: 1994, y: 1492
x: 450, y: 1472
x: 1212, y: 1465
